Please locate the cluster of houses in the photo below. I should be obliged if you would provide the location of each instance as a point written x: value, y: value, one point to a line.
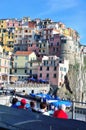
x: 42, y: 49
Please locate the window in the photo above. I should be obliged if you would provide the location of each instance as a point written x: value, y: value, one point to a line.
x: 26, y: 31
x: 37, y: 45
x: 30, y: 36
x: 61, y: 76
x: 65, y: 69
x: 26, y: 65
x: 12, y: 36
x: 5, y: 70
x: 44, y: 45
x: 25, y: 70
x: 4, y: 30
x: 47, y: 76
x: 56, y: 49
x: 43, y: 50
x: 16, y: 57
x: 9, y: 37
x: 61, y: 68
x: 55, y: 68
x: 63, y: 41
x: 54, y: 76
x: 40, y: 46
x: 57, y: 43
x: 40, y: 50
x: 40, y: 67
x: 30, y: 64
x: 26, y: 57
x: 30, y: 71
x: 19, y: 24
x: 53, y: 49
x: 51, y: 44
x: 15, y: 65
x: 5, y: 62
x: 29, y: 31
x: 47, y: 68
x: 15, y: 70
x: 40, y: 75
x: 44, y: 62
x: 25, y: 41
x: 51, y: 62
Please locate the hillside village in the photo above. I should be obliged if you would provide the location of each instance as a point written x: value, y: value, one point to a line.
x: 43, y: 49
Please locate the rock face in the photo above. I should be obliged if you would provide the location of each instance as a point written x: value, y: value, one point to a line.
x: 74, y: 87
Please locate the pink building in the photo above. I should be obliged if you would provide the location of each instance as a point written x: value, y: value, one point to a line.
x: 13, y: 23
x: 33, y: 47
x: 53, y: 70
x: 55, y: 45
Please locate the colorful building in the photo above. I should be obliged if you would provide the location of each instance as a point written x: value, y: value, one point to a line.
x: 22, y: 64
x: 53, y: 70
x: 55, y: 45
x: 4, y: 65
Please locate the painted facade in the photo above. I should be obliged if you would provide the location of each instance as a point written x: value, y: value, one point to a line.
x: 43, y: 38
x: 4, y: 65
x: 55, y: 45
x: 52, y: 70
x: 21, y: 62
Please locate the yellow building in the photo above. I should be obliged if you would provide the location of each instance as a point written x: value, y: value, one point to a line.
x: 8, y: 41
x: 4, y: 65
x: 6, y: 36
x: 3, y: 24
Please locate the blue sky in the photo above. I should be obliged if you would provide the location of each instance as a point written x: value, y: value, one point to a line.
x: 70, y: 12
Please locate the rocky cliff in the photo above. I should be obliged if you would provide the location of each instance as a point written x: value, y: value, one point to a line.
x: 74, y: 87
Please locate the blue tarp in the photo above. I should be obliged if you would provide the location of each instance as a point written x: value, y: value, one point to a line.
x: 41, y: 95
x: 32, y: 79
x: 57, y: 100
x: 42, y: 80
x: 60, y: 102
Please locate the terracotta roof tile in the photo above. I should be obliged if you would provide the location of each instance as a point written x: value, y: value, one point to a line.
x: 23, y: 53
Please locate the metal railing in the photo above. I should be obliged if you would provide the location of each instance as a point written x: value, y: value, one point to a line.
x: 78, y: 111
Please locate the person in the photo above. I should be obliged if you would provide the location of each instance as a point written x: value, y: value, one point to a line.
x: 43, y: 108
x: 14, y: 101
x: 23, y: 103
x: 33, y: 106
x: 60, y: 113
x: 24, y: 92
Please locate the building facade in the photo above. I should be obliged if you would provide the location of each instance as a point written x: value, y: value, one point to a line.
x: 53, y: 70
x: 22, y: 64
x: 4, y: 65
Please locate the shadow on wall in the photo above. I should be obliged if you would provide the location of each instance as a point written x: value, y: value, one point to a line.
x: 67, y: 84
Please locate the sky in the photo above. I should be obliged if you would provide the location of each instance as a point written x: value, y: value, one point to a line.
x: 70, y: 12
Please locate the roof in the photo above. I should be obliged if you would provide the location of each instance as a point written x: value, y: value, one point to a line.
x: 23, y: 53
